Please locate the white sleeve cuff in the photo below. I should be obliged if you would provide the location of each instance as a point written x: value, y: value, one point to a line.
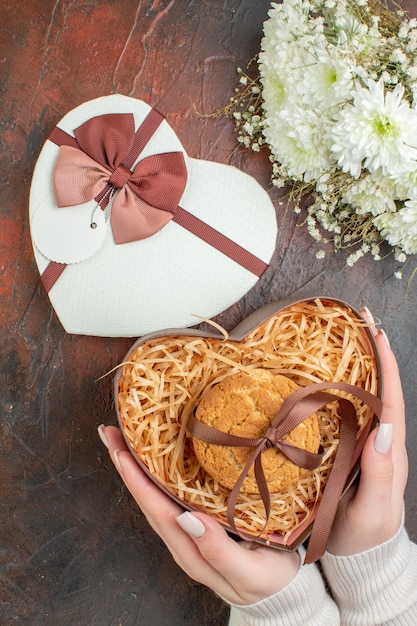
x: 303, y: 602
x: 376, y: 586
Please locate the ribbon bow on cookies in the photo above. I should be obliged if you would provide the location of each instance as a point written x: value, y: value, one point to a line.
x: 294, y: 410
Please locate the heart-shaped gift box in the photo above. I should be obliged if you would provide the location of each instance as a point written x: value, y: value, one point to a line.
x: 130, y: 234
x: 321, y: 344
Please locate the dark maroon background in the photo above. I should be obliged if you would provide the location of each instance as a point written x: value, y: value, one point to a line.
x: 74, y: 549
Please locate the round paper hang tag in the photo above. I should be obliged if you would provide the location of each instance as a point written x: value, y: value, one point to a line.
x: 69, y: 234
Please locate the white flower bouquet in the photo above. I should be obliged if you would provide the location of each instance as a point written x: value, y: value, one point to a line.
x: 335, y: 101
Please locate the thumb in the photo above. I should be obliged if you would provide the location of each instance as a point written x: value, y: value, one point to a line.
x: 243, y: 569
x: 213, y: 543
x: 220, y: 557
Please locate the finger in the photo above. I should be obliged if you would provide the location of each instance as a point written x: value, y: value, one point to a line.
x: 380, y: 468
x: 377, y: 472
x: 384, y: 463
x: 393, y: 401
x: 112, y: 438
x: 161, y: 513
x: 247, y: 575
x: 367, y: 315
x: 393, y: 410
x: 211, y: 558
x: 155, y: 504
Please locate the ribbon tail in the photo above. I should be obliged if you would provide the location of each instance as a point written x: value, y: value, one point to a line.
x: 330, y: 500
x: 263, y: 489
x: 234, y: 494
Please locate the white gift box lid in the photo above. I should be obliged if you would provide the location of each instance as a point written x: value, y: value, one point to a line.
x: 206, y: 255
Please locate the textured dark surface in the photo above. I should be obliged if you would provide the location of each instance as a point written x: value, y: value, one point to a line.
x: 74, y: 549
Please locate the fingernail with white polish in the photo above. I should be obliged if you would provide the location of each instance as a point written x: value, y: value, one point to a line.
x: 368, y: 315
x: 102, y: 435
x: 383, y: 439
x: 191, y: 524
x: 385, y: 336
x: 117, y: 461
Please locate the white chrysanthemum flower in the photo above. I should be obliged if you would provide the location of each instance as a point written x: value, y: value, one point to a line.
x: 373, y: 193
x: 405, y: 185
x: 327, y: 80
x: 377, y: 131
x: 400, y: 228
x: 281, y: 67
x: 287, y: 21
x: 339, y: 97
x: 278, y: 84
x: 296, y: 139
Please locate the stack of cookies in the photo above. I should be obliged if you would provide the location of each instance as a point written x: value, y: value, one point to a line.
x: 245, y: 404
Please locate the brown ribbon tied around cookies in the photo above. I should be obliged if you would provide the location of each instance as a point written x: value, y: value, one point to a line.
x: 294, y: 410
x: 100, y: 161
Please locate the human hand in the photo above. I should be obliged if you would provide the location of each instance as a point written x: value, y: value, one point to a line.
x: 371, y: 513
x: 242, y: 573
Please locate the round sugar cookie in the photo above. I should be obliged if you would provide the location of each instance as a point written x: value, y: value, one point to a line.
x: 245, y: 404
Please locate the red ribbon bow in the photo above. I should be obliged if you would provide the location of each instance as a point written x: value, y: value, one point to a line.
x: 99, y: 162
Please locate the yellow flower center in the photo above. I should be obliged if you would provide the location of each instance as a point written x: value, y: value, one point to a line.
x: 384, y: 127
x: 332, y: 76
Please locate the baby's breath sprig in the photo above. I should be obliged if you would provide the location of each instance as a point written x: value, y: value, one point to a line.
x: 246, y: 108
